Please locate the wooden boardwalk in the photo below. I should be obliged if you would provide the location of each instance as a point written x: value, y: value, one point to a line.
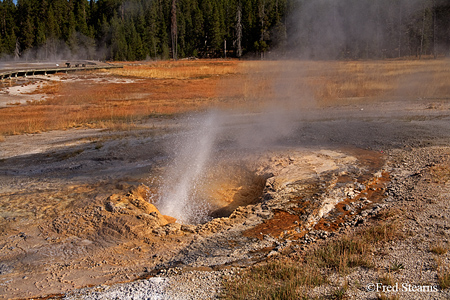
x: 23, y: 69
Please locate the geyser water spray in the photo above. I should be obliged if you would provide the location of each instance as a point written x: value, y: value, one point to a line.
x: 180, y: 198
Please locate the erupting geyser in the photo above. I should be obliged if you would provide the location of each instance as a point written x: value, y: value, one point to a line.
x: 180, y: 198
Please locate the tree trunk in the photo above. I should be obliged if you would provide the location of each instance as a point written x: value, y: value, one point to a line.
x: 174, y: 30
x: 400, y: 32
x: 239, y: 31
x: 262, y: 15
x: 17, y: 50
x: 423, y: 34
x: 434, y: 30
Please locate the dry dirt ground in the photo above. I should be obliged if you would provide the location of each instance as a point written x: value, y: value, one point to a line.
x: 74, y: 209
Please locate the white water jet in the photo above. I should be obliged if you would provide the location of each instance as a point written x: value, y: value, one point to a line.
x: 180, y: 198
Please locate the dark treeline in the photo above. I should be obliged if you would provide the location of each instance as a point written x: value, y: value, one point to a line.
x: 352, y: 29
x: 151, y: 29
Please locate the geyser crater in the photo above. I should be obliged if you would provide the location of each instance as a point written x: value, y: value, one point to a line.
x: 216, y: 193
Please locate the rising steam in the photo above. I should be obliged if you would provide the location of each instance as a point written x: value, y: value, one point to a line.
x: 322, y: 29
x: 180, y: 198
x: 226, y: 134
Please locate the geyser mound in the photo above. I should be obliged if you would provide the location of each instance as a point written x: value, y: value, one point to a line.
x: 216, y: 193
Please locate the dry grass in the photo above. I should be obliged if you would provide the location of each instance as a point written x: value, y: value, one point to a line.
x: 444, y: 278
x: 303, y: 84
x: 439, y: 249
x: 383, y: 296
x: 177, y: 70
x: 102, y: 101
x: 171, y: 87
x: 443, y: 272
x: 334, y: 256
x: 381, y: 79
x: 343, y: 254
x: 440, y: 173
x: 396, y: 267
x: 387, y: 279
x: 384, y: 232
x: 339, y: 293
x: 275, y: 280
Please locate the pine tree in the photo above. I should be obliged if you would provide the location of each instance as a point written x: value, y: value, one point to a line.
x: 118, y: 41
x: 137, y: 29
x: 8, y: 27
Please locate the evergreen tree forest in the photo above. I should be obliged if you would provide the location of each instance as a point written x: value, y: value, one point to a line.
x: 160, y: 29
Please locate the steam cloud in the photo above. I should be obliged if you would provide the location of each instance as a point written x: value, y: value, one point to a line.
x: 81, y: 48
x: 324, y: 29
x: 215, y: 132
x: 364, y: 29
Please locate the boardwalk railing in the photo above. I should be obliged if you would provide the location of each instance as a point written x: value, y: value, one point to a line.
x: 24, y: 70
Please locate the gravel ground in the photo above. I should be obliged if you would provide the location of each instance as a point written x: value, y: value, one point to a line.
x: 419, y: 192
x: 421, y: 200
x: 176, y: 285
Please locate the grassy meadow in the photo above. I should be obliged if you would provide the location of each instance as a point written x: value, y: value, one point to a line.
x: 121, y: 98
